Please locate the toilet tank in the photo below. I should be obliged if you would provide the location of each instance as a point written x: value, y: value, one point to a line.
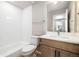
x: 34, y: 40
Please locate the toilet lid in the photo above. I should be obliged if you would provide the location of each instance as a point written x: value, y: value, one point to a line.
x: 28, y: 48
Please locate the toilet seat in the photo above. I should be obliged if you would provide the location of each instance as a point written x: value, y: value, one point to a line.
x: 28, y: 49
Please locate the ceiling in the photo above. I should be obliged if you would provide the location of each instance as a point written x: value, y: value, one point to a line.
x: 21, y: 4
x: 50, y: 5
x: 59, y: 6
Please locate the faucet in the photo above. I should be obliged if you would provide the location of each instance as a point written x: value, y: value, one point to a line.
x: 58, y: 31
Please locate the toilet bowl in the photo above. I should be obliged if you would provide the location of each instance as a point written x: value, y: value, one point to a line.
x: 28, y: 50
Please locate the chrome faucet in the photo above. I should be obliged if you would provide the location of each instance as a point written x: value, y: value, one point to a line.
x: 58, y: 31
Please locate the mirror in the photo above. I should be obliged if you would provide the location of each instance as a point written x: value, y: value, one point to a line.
x: 58, y: 16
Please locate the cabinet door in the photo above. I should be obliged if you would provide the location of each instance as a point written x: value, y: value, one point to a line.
x: 67, y: 54
x: 46, y: 51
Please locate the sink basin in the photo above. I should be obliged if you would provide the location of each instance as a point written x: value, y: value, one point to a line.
x: 58, y: 36
x: 64, y: 37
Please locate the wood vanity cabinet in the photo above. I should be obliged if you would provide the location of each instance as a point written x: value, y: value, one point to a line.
x: 53, y: 48
x: 67, y: 54
x: 46, y: 51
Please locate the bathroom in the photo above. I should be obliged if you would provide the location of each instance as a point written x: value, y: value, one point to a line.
x: 39, y: 29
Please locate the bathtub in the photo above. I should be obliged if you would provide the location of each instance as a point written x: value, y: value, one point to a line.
x: 12, y: 50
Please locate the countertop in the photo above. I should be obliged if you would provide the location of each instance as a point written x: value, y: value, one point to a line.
x: 66, y: 38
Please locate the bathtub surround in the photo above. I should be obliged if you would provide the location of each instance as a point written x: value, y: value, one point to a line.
x: 12, y: 20
x: 13, y: 50
x: 27, y: 24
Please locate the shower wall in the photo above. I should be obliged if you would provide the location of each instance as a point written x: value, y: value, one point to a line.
x: 27, y: 24
x: 12, y: 20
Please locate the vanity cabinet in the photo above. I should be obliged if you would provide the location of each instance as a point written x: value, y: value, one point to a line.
x: 67, y: 54
x: 46, y: 51
x: 53, y: 48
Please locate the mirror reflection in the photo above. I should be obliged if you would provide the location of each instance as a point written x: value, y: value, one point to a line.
x: 58, y: 16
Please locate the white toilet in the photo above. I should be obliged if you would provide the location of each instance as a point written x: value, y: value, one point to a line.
x: 27, y: 50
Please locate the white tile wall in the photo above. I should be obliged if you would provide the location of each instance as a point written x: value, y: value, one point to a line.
x: 27, y: 24
x: 10, y: 30
x: 12, y: 20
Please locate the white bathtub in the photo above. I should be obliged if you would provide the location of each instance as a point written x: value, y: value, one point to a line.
x: 12, y: 50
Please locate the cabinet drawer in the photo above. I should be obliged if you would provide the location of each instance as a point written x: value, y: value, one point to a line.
x: 61, y: 45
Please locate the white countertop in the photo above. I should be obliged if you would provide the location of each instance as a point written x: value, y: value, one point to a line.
x: 63, y: 38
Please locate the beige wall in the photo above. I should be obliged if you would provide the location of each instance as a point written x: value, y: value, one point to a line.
x: 49, y: 22
x: 72, y: 17
x: 39, y: 18
x: 77, y: 16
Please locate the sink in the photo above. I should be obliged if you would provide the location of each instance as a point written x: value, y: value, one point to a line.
x: 64, y: 37
x: 59, y: 36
